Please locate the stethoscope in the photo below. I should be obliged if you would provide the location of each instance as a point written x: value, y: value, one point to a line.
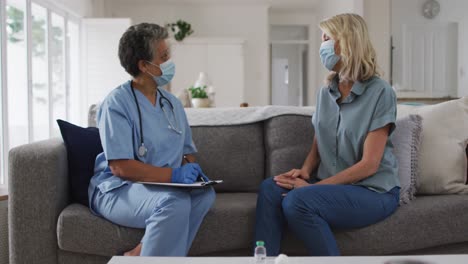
x: 142, y: 150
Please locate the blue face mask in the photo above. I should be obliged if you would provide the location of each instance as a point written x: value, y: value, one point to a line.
x: 327, y: 54
x: 168, y: 71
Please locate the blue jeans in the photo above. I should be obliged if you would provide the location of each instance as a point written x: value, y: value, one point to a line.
x: 170, y: 216
x: 311, y: 212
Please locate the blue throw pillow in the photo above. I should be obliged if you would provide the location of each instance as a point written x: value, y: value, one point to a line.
x: 83, y: 145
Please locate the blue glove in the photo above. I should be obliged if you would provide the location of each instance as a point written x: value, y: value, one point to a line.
x: 187, y: 174
x: 202, y: 175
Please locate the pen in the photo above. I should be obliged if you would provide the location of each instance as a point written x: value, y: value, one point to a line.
x: 203, y: 179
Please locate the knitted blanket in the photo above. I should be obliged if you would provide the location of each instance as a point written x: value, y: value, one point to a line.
x: 241, y: 115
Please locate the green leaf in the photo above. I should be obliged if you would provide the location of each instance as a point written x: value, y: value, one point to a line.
x: 198, y: 92
x: 181, y: 29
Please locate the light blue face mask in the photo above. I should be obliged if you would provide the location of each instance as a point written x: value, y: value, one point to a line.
x: 327, y: 54
x: 168, y: 71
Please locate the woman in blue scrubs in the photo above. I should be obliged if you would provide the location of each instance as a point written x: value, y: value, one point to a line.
x: 352, y: 154
x: 146, y: 138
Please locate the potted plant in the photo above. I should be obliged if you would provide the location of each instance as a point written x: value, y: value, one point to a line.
x: 181, y: 29
x: 199, y: 96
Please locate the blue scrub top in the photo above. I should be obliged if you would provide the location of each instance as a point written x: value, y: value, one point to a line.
x: 341, y: 129
x: 119, y: 129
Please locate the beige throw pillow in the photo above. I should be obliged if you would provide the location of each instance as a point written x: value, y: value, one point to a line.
x: 442, y: 158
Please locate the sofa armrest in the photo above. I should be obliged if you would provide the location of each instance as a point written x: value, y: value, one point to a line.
x: 38, y: 192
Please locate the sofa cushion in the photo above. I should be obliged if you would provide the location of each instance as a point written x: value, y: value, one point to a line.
x: 442, y: 159
x: 428, y: 221
x: 227, y: 226
x: 288, y: 140
x: 406, y: 141
x: 80, y: 231
x: 67, y: 257
x: 83, y: 145
x: 234, y: 154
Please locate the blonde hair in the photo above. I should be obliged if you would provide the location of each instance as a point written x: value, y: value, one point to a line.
x: 358, y: 57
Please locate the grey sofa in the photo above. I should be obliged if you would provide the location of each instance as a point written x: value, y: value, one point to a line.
x: 46, y: 228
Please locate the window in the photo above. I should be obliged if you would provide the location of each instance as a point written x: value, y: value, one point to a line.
x: 40, y: 70
x: 2, y: 97
x: 73, y: 35
x: 40, y: 79
x: 17, y: 81
x: 57, y: 65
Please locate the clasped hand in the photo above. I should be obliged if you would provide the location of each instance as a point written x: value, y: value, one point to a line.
x: 292, y: 179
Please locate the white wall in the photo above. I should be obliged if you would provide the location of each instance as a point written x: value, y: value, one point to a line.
x: 79, y: 8
x: 312, y: 17
x: 101, y: 71
x: 331, y: 8
x: 83, y: 8
x: 304, y: 17
x: 222, y: 60
x: 450, y: 11
x: 377, y: 16
x: 246, y: 21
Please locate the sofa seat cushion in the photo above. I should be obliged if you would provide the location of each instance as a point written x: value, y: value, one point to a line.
x: 227, y: 226
x: 80, y: 231
x: 428, y: 221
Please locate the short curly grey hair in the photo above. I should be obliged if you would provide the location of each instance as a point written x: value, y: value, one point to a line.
x: 137, y: 44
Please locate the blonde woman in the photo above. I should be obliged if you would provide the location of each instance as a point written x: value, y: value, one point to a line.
x: 357, y: 183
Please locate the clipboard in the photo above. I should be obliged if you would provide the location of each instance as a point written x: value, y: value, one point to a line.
x: 198, y: 184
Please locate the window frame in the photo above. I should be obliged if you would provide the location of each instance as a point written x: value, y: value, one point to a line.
x: 4, y: 94
x: 68, y: 16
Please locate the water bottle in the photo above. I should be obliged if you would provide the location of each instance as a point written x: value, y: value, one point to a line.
x: 260, y: 253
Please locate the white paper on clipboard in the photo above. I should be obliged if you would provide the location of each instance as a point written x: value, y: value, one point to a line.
x: 198, y: 184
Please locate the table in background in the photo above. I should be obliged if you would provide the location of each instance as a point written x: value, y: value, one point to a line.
x: 430, y: 259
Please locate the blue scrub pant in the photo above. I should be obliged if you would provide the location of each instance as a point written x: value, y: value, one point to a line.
x: 311, y: 212
x: 171, y: 216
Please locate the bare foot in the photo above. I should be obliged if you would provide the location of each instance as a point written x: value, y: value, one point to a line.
x: 134, y: 252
